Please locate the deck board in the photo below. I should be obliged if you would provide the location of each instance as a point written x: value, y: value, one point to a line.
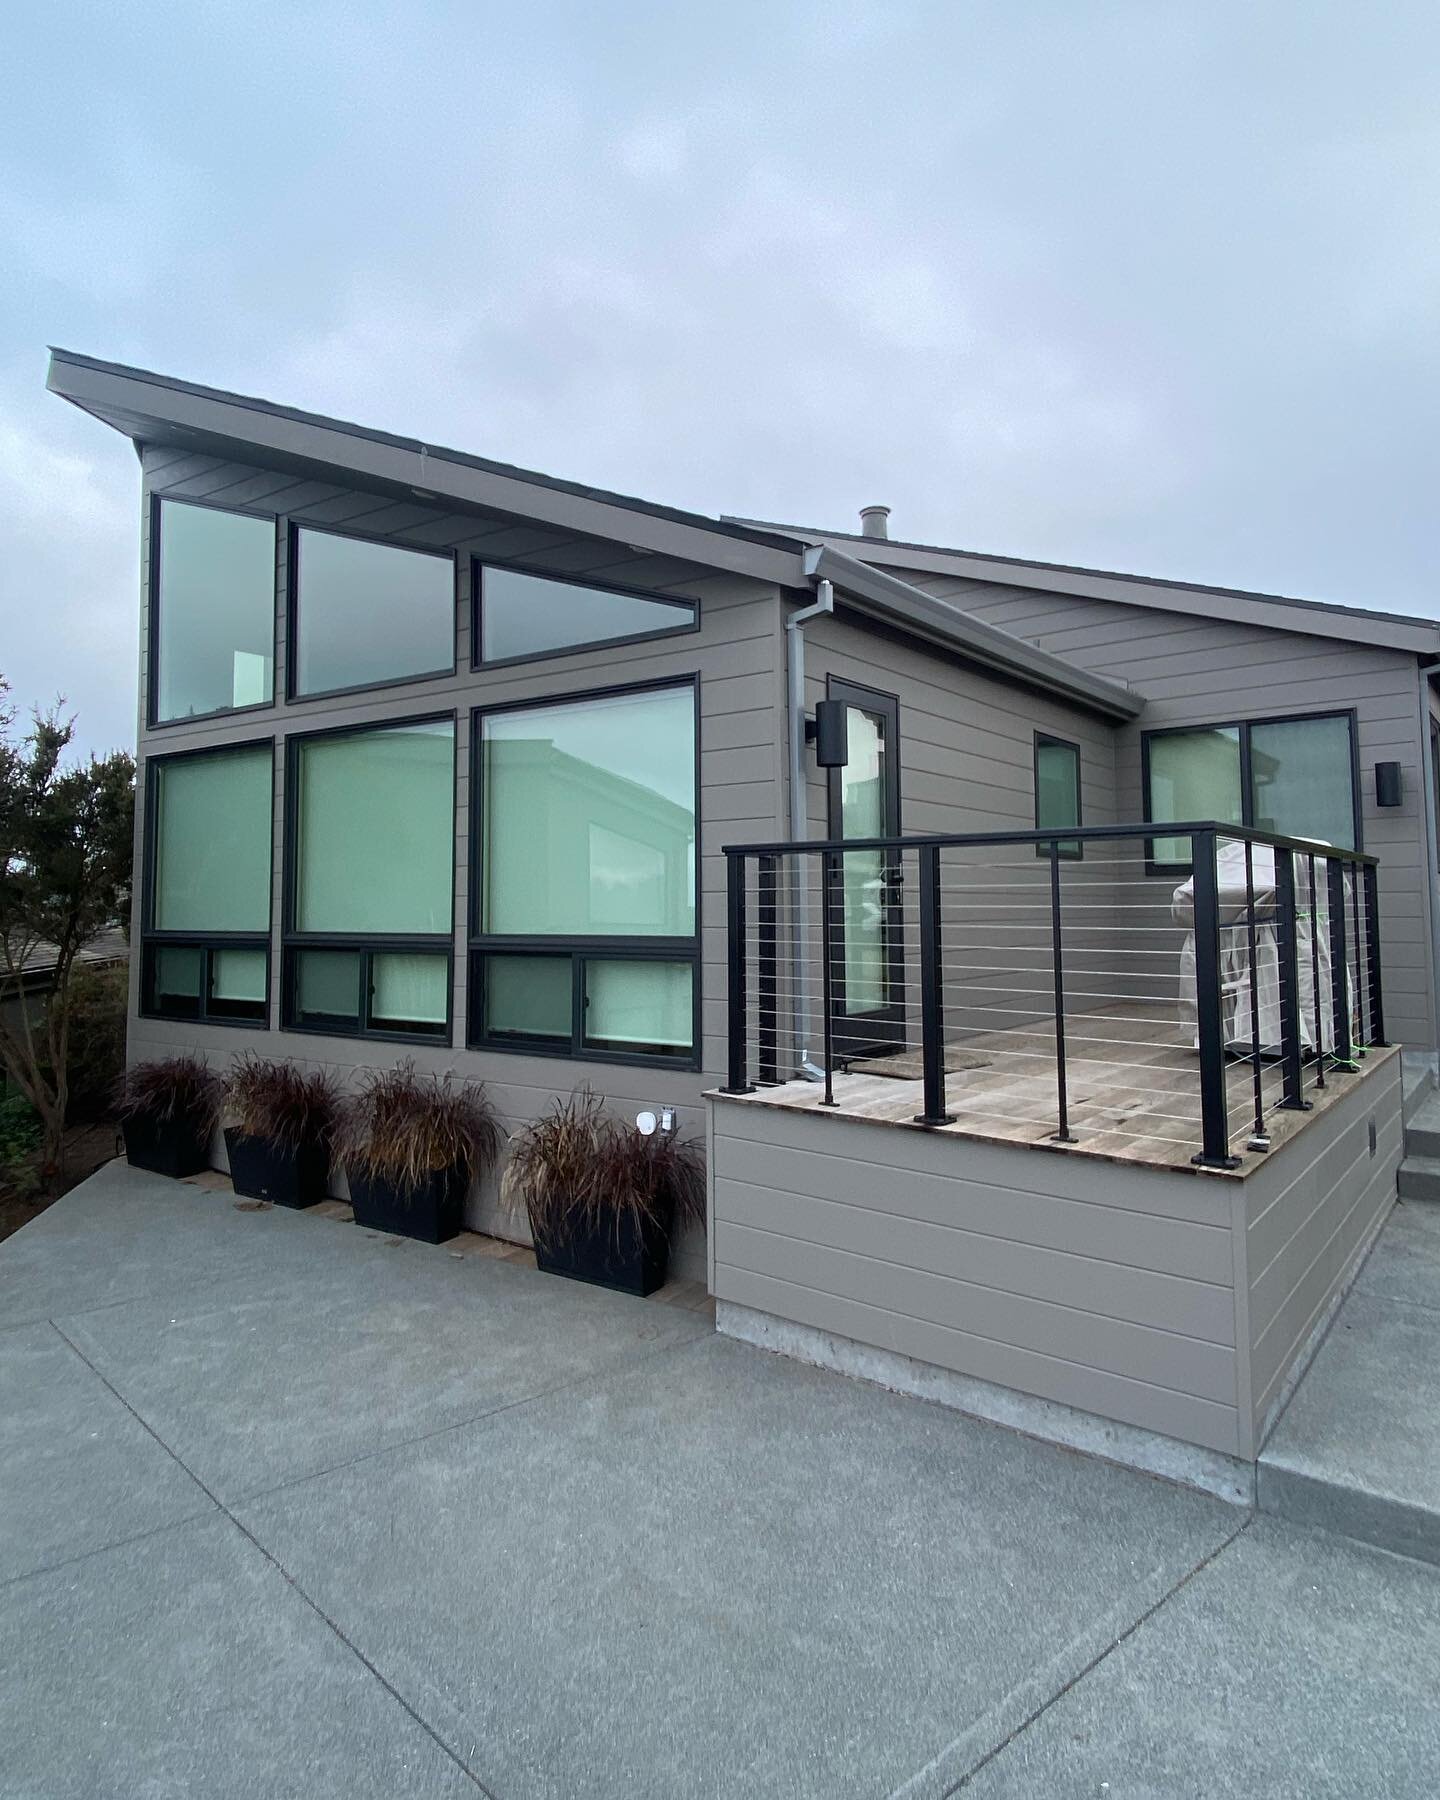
x: 1133, y: 1088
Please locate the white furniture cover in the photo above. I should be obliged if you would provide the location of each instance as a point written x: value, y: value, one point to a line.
x: 1312, y: 956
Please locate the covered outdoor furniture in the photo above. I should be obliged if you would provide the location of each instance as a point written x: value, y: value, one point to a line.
x: 1312, y: 952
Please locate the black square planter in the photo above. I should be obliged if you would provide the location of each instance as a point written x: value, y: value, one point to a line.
x: 616, y: 1252
x: 266, y: 1171
x: 173, y: 1147
x: 432, y: 1212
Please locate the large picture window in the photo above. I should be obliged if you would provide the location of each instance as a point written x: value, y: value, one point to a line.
x: 371, y: 879
x: 519, y: 615
x: 584, y: 937
x: 1295, y: 777
x: 206, y: 953
x: 366, y: 613
x: 212, y: 620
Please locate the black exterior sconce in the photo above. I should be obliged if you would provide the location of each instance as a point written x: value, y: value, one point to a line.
x: 1389, y: 788
x: 829, y: 732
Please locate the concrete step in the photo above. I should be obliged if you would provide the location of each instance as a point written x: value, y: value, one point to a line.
x: 1357, y: 1450
x: 1419, y: 1178
x: 1422, y: 1129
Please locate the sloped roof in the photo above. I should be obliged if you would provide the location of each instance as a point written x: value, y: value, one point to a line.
x: 1284, y: 612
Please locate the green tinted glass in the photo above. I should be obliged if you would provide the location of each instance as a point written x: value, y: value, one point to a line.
x: 528, y: 996
x: 642, y: 1006
x: 408, y: 991
x: 212, y: 842
x: 589, y: 817
x: 376, y: 831
x: 1193, y: 775
x: 215, y: 611
x: 369, y: 612
x: 327, y: 986
x: 1302, y: 778
x: 531, y: 615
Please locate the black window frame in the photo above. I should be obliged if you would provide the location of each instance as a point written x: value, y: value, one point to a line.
x: 1068, y: 849
x: 578, y: 949
x: 1247, y: 792
x: 478, y: 566
x: 206, y: 942
x: 366, y: 945
x: 293, y: 694
x: 153, y: 722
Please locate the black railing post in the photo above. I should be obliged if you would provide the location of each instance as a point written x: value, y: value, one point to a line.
x: 1372, y: 955
x: 1358, y: 990
x: 1317, y: 1002
x: 830, y: 873
x: 1214, y: 1116
x: 932, y: 993
x: 1259, y: 1138
x: 735, y: 929
x: 1057, y: 962
x: 1339, y: 961
x: 767, y: 876
x: 1286, y: 938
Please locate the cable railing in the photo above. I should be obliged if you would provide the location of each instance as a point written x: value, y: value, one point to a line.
x: 1057, y: 986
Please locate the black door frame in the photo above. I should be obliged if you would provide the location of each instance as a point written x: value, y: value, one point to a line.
x: 877, y: 1031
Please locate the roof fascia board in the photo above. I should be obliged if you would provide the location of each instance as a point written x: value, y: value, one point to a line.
x: 886, y: 596
x: 255, y: 434
x: 1304, y: 618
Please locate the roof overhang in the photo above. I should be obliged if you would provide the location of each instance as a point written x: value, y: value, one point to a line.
x: 1276, y: 612
x: 158, y: 409
x: 885, y: 597
x: 154, y: 409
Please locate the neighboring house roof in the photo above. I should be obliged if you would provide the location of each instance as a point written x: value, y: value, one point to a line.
x: 38, y: 962
x: 1280, y: 612
x: 159, y: 409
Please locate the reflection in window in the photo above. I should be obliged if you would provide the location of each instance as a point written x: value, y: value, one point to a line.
x: 589, y: 817
x: 375, y: 830
x: 535, y: 615
x: 214, y: 621
x: 367, y: 612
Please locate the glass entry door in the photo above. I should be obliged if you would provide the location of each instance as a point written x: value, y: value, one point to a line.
x: 869, y: 957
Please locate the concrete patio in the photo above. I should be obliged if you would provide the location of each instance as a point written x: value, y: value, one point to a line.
x: 290, y: 1508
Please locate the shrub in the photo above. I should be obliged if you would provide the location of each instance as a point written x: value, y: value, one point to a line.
x: 99, y: 998
x: 400, y: 1127
x: 576, y: 1164
x: 20, y: 1135
x: 174, y: 1087
x: 280, y: 1103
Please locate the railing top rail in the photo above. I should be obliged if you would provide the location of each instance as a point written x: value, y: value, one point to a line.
x: 980, y: 840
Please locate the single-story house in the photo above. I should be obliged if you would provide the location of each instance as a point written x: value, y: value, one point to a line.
x: 441, y: 758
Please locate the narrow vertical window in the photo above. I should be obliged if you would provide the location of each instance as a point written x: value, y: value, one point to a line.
x: 1057, y: 791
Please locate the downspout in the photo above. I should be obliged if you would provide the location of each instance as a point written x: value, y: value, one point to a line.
x: 800, y: 938
x: 1432, y: 850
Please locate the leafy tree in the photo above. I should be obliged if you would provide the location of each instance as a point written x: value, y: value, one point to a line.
x: 66, y: 843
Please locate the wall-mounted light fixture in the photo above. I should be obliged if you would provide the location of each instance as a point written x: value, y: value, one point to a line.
x: 1389, y: 788
x: 829, y: 732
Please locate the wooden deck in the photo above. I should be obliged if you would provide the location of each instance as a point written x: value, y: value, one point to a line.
x: 1133, y: 1085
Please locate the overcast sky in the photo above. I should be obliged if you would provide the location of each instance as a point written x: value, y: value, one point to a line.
x: 1144, y: 286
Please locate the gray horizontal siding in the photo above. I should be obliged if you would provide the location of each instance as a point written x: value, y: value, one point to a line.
x: 1311, y: 1213
x: 1196, y: 671
x: 998, y: 1264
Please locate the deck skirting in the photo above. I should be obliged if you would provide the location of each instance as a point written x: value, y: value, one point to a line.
x: 1154, y: 1315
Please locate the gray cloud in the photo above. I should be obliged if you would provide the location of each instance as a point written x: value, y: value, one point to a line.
x: 1145, y: 286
